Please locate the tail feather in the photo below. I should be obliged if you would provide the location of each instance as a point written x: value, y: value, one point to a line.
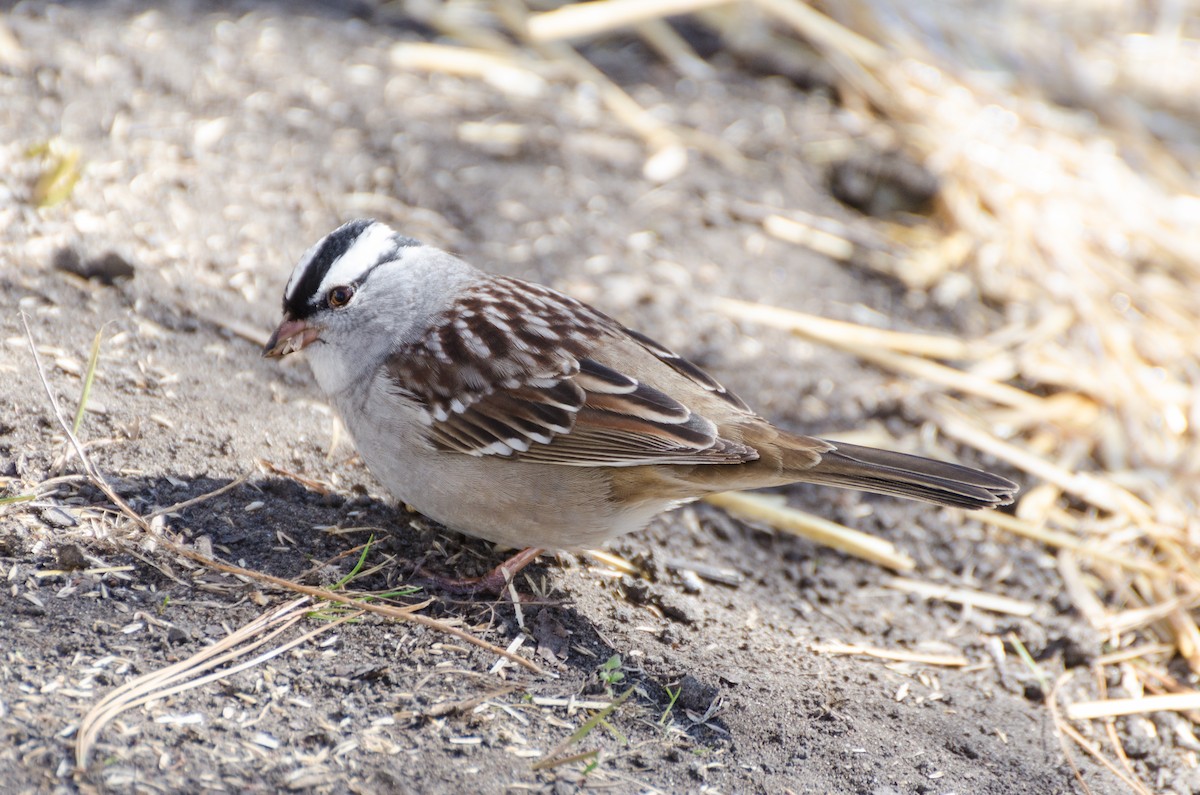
x: 901, y: 475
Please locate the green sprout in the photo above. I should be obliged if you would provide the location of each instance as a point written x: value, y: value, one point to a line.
x: 611, y: 673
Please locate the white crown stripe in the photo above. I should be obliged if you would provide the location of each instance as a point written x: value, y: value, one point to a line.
x: 367, y: 250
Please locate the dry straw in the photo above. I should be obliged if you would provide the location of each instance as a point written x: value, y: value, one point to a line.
x: 1084, y: 228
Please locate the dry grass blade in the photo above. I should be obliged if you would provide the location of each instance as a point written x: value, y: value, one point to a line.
x: 90, y: 471
x: 1147, y: 651
x: 963, y: 596
x: 507, y: 71
x: 580, y: 20
x: 591, y: 723
x: 88, y: 379
x: 660, y: 137
x: 814, y: 528
x: 899, y: 655
x: 1061, y: 540
x: 1099, y: 491
x: 1139, y: 617
x: 823, y: 32
x: 1077, y: 588
x: 822, y: 241
x: 674, y: 49
x: 571, y: 703
x: 1109, y: 708
x: 615, y: 562
x: 955, y: 380
x: 842, y: 332
x: 189, y: 673
x: 44, y: 573
x: 883, y: 349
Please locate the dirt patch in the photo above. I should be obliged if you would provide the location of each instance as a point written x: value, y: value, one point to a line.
x: 217, y: 142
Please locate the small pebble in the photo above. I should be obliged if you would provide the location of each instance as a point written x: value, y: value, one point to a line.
x: 71, y: 557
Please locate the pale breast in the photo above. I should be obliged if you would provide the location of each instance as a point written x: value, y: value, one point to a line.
x: 514, y: 503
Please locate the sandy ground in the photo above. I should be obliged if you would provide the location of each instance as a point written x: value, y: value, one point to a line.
x: 217, y: 142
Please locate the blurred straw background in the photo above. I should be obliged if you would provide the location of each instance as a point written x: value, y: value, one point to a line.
x: 1063, y: 136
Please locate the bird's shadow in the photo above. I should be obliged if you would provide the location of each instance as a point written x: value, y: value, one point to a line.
x: 279, y: 527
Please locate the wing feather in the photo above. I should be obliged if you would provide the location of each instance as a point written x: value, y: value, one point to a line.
x: 551, y: 403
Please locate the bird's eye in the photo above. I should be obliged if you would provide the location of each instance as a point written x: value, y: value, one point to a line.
x: 340, y: 296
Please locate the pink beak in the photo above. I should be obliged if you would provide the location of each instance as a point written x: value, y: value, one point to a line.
x: 291, y: 336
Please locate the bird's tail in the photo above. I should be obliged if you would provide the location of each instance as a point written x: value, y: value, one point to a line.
x: 898, y: 474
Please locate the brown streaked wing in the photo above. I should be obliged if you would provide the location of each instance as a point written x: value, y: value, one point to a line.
x: 689, y: 369
x: 505, y: 371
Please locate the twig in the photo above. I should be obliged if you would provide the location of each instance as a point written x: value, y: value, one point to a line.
x: 180, y: 506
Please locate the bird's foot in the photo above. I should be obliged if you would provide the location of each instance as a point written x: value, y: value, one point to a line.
x: 494, y: 583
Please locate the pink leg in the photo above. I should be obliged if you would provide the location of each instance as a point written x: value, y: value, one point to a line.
x: 493, y: 583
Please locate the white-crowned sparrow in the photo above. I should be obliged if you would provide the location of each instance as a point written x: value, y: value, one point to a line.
x: 509, y: 411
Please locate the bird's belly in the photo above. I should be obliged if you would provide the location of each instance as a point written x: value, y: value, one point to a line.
x: 505, y: 501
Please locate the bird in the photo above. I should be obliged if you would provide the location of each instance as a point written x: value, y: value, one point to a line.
x: 508, y: 411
